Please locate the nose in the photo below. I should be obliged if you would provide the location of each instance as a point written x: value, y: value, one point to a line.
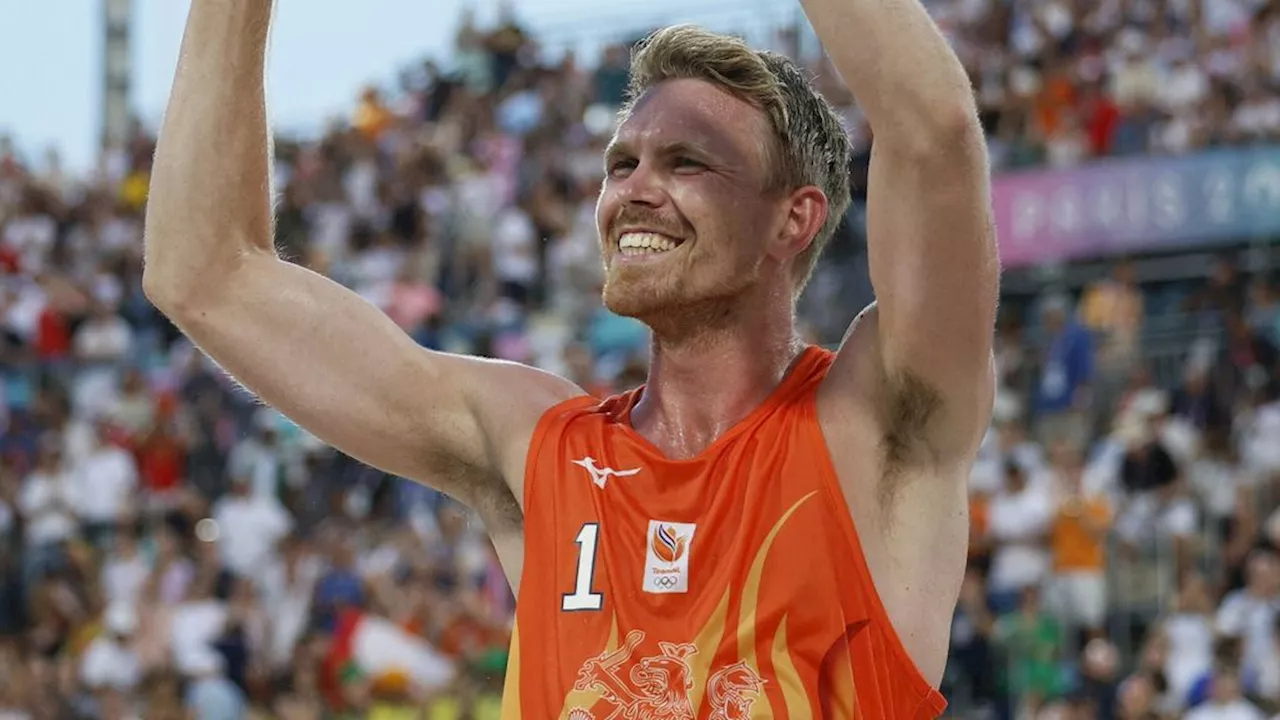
x: 642, y: 186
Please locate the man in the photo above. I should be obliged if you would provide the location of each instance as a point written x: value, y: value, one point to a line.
x: 1062, y: 396
x: 690, y: 550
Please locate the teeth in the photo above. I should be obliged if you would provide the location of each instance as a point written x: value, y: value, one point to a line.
x: 637, y: 243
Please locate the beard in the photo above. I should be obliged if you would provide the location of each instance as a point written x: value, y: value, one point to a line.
x: 675, y: 302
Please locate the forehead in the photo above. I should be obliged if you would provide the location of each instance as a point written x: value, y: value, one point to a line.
x: 698, y: 113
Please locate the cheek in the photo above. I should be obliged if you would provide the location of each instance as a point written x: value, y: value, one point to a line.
x: 720, y: 209
x: 606, y: 207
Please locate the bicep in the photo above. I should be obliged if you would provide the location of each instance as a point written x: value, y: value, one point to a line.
x: 932, y: 255
x: 339, y: 367
x: 935, y: 273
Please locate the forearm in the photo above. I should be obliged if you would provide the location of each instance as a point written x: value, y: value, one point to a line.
x: 899, y: 67
x: 210, y: 199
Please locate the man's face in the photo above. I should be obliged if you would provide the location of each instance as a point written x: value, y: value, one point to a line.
x: 683, y: 217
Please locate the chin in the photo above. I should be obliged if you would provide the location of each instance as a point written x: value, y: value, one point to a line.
x: 671, y: 308
x: 639, y: 298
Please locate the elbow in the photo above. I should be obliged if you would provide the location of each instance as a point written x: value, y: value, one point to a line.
x: 178, y: 285
x: 161, y: 281
x: 164, y: 288
x: 174, y: 293
x: 158, y: 291
x: 958, y: 129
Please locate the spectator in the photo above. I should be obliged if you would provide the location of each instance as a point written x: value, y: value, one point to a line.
x: 1250, y: 613
x: 125, y: 571
x: 1063, y: 394
x: 1100, y: 667
x: 1188, y: 632
x: 972, y: 652
x: 104, y: 485
x: 47, y: 506
x: 1113, y: 309
x: 1078, y: 537
x: 1228, y: 701
x: 1018, y: 519
x: 250, y: 527
x: 109, y: 662
x: 1031, y: 641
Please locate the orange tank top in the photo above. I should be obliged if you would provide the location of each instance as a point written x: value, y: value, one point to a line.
x: 731, y: 585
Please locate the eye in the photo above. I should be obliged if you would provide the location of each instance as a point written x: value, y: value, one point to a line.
x: 688, y: 164
x: 620, y: 167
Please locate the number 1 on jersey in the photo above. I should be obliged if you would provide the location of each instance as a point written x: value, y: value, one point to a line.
x: 582, y: 598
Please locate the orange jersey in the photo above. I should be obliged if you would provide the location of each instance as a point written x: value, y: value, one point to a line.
x: 731, y: 585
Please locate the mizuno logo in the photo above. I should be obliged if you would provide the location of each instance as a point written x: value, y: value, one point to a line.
x: 599, y: 475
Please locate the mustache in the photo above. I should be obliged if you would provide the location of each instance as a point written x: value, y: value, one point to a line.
x: 631, y: 216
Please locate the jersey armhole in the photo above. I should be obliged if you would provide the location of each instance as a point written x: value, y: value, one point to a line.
x: 931, y: 703
x: 553, y: 416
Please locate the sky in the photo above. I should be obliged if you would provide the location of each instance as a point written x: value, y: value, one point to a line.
x: 323, y: 52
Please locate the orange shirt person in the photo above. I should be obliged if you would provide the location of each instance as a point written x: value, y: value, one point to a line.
x: 764, y: 528
x: 1078, y: 538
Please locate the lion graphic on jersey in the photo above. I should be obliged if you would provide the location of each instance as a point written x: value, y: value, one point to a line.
x: 732, y: 691
x: 657, y: 687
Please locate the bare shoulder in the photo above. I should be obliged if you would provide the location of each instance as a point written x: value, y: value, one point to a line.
x: 507, y: 400
x: 907, y: 496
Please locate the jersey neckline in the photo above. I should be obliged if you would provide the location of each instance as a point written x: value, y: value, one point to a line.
x: 801, y: 370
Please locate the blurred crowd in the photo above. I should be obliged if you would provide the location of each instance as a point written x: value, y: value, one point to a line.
x: 170, y: 548
x: 1062, y: 81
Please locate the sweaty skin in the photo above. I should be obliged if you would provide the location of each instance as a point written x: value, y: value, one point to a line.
x: 902, y: 418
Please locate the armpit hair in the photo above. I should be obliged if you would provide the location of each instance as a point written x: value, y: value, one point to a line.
x: 908, y: 404
x: 484, y: 492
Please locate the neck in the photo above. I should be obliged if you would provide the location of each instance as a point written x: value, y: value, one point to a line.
x: 702, y: 383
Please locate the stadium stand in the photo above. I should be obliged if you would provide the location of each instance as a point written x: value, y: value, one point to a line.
x: 171, y: 549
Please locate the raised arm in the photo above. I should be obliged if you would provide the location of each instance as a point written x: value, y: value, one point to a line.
x: 930, y: 235
x: 307, y: 346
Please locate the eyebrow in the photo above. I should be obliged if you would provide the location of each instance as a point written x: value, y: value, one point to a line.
x: 623, y: 148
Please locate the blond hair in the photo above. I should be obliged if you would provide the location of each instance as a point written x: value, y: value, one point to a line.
x: 809, y: 145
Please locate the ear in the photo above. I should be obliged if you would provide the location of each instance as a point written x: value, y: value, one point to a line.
x: 806, y: 211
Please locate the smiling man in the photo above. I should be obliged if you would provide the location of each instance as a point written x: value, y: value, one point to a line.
x: 764, y: 528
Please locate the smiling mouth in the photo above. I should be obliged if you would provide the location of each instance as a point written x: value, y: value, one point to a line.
x: 637, y: 244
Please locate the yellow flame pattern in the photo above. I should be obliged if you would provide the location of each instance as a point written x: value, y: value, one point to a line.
x: 708, y: 640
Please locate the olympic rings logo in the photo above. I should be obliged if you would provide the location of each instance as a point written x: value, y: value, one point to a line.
x: 666, y: 582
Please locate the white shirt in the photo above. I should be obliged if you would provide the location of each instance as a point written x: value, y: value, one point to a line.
x: 1235, y: 710
x: 262, y: 465
x: 1257, y: 118
x: 1019, y: 523
x: 47, y: 499
x: 248, y: 530
x: 31, y: 237
x: 331, y: 228
x: 1224, y: 16
x: 1261, y: 441
x: 1184, y: 88
x: 194, y: 628
x: 103, y: 339
x: 1147, y: 520
x: 105, y: 483
x: 107, y: 664
x: 1217, y: 483
x: 514, y: 236
x: 23, y: 316
x: 289, y: 606
x: 1190, y: 652
x: 1253, y: 620
x: 361, y: 184
x: 123, y: 578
